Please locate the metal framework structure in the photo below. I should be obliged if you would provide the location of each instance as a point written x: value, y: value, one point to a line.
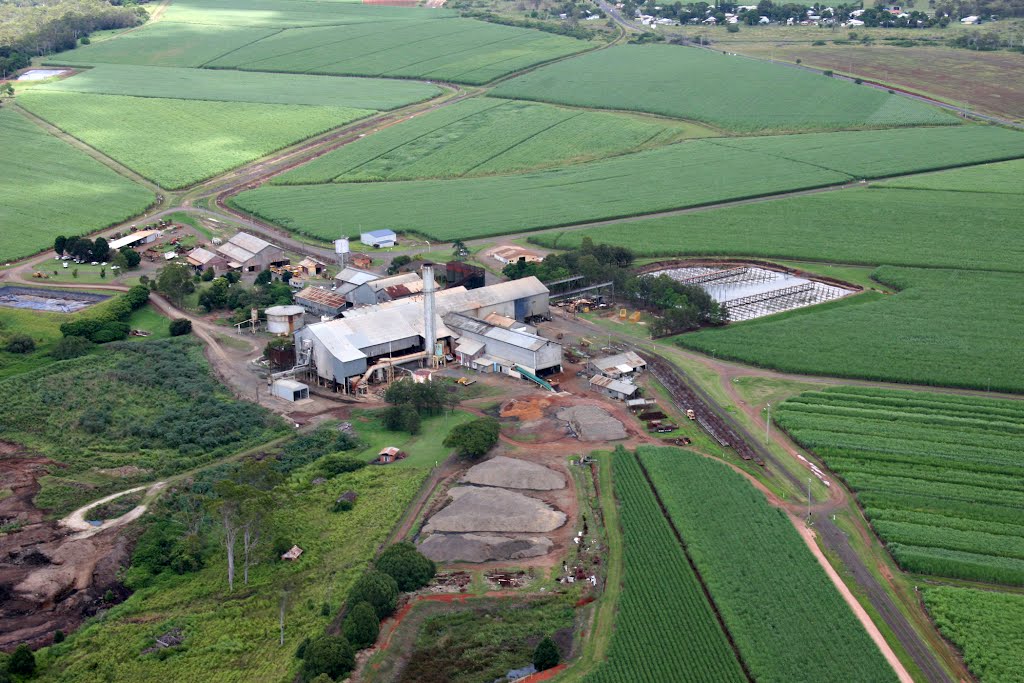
x: 581, y: 290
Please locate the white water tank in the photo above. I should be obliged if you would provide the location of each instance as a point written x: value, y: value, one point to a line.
x: 284, y: 319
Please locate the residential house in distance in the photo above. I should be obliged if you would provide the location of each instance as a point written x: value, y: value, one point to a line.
x: 250, y: 254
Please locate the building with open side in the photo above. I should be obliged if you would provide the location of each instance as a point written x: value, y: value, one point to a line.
x: 619, y: 365
x: 613, y: 388
x: 250, y: 254
x: 490, y: 348
x: 321, y: 302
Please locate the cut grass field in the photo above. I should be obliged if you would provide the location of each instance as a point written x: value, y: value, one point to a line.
x: 50, y: 189
x: 937, y: 475
x: 227, y: 86
x: 986, y: 626
x: 680, y: 175
x: 176, y: 143
x: 483, y: 136
x: 870, y: 226
x: 969, y: 78
x: 453, y: 49
x: 770, y: 590
x: 911, y: 337
x: 723, y: 90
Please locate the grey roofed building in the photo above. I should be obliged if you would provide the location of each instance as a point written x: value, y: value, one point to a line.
x: 518, y: 299
x: 250, y: 253
x: 618, y: 365
x: 349, y: 278
x: 502, y: 346
x: 613, y: 388
x: 385, y: 289
x: 318, y: 301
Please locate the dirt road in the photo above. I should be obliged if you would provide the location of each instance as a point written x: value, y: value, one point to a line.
x: 76, y: 520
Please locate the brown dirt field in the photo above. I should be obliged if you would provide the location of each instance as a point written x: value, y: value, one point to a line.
x: 985, y: 80
x: 48, y: 580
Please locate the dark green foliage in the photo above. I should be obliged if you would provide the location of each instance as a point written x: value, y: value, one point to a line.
x: 376, y: 588
x: 342, y: 505
x: 58, y: 244
x: 402, y: 418
x: 331, y: 655
x: 361, y: 626
x: 397, y: 263
x: 473, y: 439
x: 22, y: 662
x: 20, y: 343
x: 58, y: 636
x: 109, y: 325
x: 427, y: 398
x: 167, y: 545
x: 313, y: 446
x: 180, y: 326
x: 546, y: 655
x: 264, y: 277
x: 131, y: 257
x: 175, y: 281
x: 334, y: 465
x: 410, y: 569
x: 208, y: 275
x: 300, y: 651
x: 109, y: 596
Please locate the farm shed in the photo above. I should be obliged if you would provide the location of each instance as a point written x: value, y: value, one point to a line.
x: 290, y: 390
x: 251, y: 254
x: 389, y: 455
x: 134, y: 239
x: 310, y: 267
x: 350, y: 278
x: 361, y: 260
x: 511, y: 254
x: 201, y: 259
x: 619, y: 365
x: 503, y: 347
x: 613, y: 388
x: 285, y: 319
x: 379, y: 238
x: 321, y: 302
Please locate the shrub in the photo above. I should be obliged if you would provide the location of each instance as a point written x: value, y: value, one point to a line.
x: 361, y: 626
x: 858, y: 81
x: 546, y: 655
x: 22, y: 662
x: 827, y: 72
x: 208, y: 275
x: 473, y: 439
x: 407, y: 566
x: 376, y: 588
x: 58, y: 636
x: 732, y: 28
x: 818, y: 43
x: 330, y: 655
x: 333, y: 465
x: 85, y: 40
x: 71, y: 347
x: 20, y: 343
x: 180, y: 326
x: 402, y: 418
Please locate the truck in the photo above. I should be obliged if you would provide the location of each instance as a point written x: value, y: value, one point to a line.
x: 690, y: 414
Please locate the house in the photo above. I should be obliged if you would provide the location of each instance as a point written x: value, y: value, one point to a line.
x: 619, y: 365
x: 292, y: 554
x: 201, y: 259
x: 379, y: 238
x: 321, y: 302
x: 613, y: 388
x: 360, y: 261
x: 134, y: 239
x: 310, y: 267
x: 511, y: 254
x: 250, y: 254
x: 389, y: 455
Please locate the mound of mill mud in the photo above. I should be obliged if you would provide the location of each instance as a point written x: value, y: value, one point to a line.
x: 482, y: 547
x: 512, y: 473
x: 475, y: 508
x: 592, y: 423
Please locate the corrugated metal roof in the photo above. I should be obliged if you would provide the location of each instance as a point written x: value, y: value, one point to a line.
x: 459, y: 299
x: 613, y: 385
x: 250, y: 243
x: 613, y: 362
x: 470, y: 347
x: 335, y: 342
x: 523, y: 340
x: 355, y: 276
x: 130, y: 239
x: 379, y: 234
x: 290, y: 384
x: 201, y: 256
x: 403, y: 279
x: 380, y: 328
x: 285, y: 310
x: 309, y: 263
x: 235, y: 252
x: 315, y: 295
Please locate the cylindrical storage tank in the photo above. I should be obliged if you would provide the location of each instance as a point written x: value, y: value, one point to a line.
x: 284, y: 319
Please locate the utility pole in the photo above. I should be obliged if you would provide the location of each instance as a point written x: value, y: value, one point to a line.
x: 768, y: 424
x: 808, y: 499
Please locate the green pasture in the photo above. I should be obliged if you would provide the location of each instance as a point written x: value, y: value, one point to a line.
x: 42, y: 326
x: 230, y: 86
x: 176, y: 143
x: 423, y: 449
x: 768, y: 587
x: 958, y: 328
x: 50, y: 188
x: 684, y: 174
x: 482, y: 136
x: 723, y: 90
x: 987, y: 627
x: 458, y: 50
x: 1006, y: 177
x: 290, y: 13
x: 867, y: 226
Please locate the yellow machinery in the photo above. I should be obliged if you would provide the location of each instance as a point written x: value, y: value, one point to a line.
x: 635, y: 318
x: 623, y: 313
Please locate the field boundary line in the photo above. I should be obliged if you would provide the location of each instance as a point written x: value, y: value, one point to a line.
x: 520, y: 142
x: 236, y: 49
x: 693, y: 566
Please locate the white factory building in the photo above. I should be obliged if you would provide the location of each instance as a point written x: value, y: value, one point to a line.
x: 367, y: 342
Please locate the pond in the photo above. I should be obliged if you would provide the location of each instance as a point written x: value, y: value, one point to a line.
x: 53, y: 300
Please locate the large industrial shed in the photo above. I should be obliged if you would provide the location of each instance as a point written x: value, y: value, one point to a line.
x: 351, y: 278
x: 490, y: 348
x: 379, y: 238
x: 385, y: 289
x: 321, y: 302
x: 251, y: 254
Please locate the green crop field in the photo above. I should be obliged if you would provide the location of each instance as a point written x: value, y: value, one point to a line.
x: 870, y: 226
x: 229, y: 86
x: 910, y: 337
x: 665, y: 629
x: 723, y: 90
x: 459, y: 50
x: 176, y: 143
x: 938, y: 476
x: 786, y: 617
x: 987, y: 627
x: 50, y: 188
x: 292, y: 13
x: 1001, y: 178
x: 685, y: 174
x: 482, y: 136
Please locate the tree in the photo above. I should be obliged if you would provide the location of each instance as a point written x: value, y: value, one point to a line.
x: 473, y: 439
x: 132, y: 257
x: 397, y: 263
x: 546, y: 655
x: 264, y: 277
x: 331, y: 655
x: 100, y: 249
x: 118, y: 261
x: 227, y: 507
x: 175, y: 281
x: 407, y: 566
x: 71, y: 347
x: 58, y: 244
x: 402, y: 418
x: 6, y: 92
x: 20, y: 343
x: 361, y: 626
x: 376, y: 588
x: 459, y: 250
x: 208, y: 274
x: 22, y: 661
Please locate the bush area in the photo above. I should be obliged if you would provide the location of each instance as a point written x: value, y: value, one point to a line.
x: 937, y: 475
x: 31, y: 29
x: 770, y: 590
x: 110, y: 325
x: 161, y: 412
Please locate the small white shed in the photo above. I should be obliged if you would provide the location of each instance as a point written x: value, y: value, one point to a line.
x: 379, y: 238
x: 290, y: 390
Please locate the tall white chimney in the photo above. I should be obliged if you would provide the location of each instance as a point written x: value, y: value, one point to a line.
x: 429, y: 324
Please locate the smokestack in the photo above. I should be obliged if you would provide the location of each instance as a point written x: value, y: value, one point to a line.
x: 429, y: 324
